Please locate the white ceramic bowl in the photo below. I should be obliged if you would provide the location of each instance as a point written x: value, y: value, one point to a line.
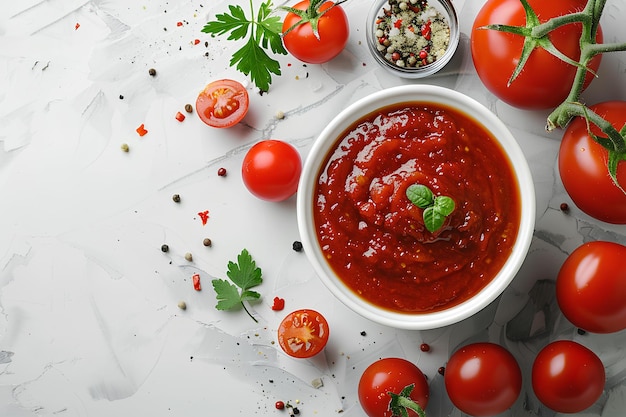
x: 324, y: 144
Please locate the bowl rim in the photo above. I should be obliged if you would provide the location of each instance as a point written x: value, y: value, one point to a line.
x: 329, y: 136
x: 445, y: 6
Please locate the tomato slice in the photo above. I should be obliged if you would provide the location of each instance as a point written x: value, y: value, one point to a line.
x: 222, y: 103
x: 303, y: 333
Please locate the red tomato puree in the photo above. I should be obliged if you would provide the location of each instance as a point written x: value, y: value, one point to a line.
x: 374, y: 237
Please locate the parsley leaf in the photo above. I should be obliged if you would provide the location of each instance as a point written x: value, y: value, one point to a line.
x: 263, y: 32
x: 244, y: 275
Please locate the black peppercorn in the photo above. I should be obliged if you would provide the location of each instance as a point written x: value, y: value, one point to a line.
x: 297, y: 246
x: 152, y: 72
x: 165, y: 248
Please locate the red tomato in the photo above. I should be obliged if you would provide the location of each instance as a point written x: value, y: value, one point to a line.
x: 390, y: 375
x: 222, y: 103
x: 303, y: 333
x: 567, y: 377
x: 591, y: 287
x: 483, y: 379
x: 271, y: 170
x: 333, y: 31
x: 545, y: 81
x: 583, y: 166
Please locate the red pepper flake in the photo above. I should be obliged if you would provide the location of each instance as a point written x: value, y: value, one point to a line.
x: 426, y: 30
x: 141, y: 130
x: 180, y: 117
x: 179, y: 23
x: 76, y: 26
x: 279, y: 304
x: 204, y: 215
x: 397, y: 24
x: 196, y: 282
x: 196, y: 41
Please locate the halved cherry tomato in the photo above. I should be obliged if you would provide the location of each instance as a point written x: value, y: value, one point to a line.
x: 222, y: 103
x: 303, y: 333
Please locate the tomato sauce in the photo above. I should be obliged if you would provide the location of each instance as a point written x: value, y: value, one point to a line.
x: 374, y: 237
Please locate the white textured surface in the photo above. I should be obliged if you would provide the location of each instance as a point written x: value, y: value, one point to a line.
x: 89, y: 324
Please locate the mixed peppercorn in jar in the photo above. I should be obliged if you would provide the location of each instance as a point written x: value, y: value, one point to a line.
x: 411, y: 33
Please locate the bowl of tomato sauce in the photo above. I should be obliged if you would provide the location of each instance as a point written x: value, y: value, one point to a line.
x: 416, y: 206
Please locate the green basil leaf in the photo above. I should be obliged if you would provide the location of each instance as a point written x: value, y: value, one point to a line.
x: 433, y: 220
x: 420, y: 195
x: 444, y: 205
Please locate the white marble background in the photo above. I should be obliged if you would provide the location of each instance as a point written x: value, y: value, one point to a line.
x: 89, y: 323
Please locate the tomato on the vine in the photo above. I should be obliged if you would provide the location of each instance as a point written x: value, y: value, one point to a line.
x: 333, y: 30
x: 583, y: 166
x: 591, y: 287
x: 545, y: 81
x: 222, y: 103
x: 483, y: 379
x: 391, y: 375
x: 303, y: 333
x: 271, y: 170
x: 567, y: 377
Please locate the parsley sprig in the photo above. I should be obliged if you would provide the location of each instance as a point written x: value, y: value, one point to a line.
x: 436, y: 208
x: 244, y: 275
x: 262, y: 30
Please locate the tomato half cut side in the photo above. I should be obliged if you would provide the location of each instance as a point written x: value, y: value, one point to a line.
x: 303, y: 333
x: 222, y: 103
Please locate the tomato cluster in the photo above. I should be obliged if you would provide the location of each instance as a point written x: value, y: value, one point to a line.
x: 546, y: 81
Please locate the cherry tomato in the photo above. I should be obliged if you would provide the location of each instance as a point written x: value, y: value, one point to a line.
x: 545, y: 80
x: 333, y: 31
x: 483, y: 379
x: 222, y: 103
x: 567, y: 377
x: 271, y: 170
x: 583, y: 166
x: 591, y: 287
x: 303, y: 333
x: 390, y: 375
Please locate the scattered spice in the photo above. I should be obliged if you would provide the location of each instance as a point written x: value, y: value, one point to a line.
x: 363, y: 333
x: 76, y: 26
x: 411, y: 33
x: 188, y: 257
x: 297, y: 246
x: 196, y: 41
x: 221, y: 172
x: 182, y: 305
x: 124, y: 147
x: 141, y: 130
x: 179, y: 24
x: 188, y: 108
x: 180, y: 117
x: 581, y: 331
x: 317, y: 383
x: 196, y: 282
x: 207, y: 242
x: 280, y: 115
x: 564, y: 207
x: 176, y: 198
x: 165, y: 248
x: 441, y: 370
x: 152, y: 72
x: 204, y: 216
x: 279, y: 304
x: 425, y: 347
x: 279, y: 405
